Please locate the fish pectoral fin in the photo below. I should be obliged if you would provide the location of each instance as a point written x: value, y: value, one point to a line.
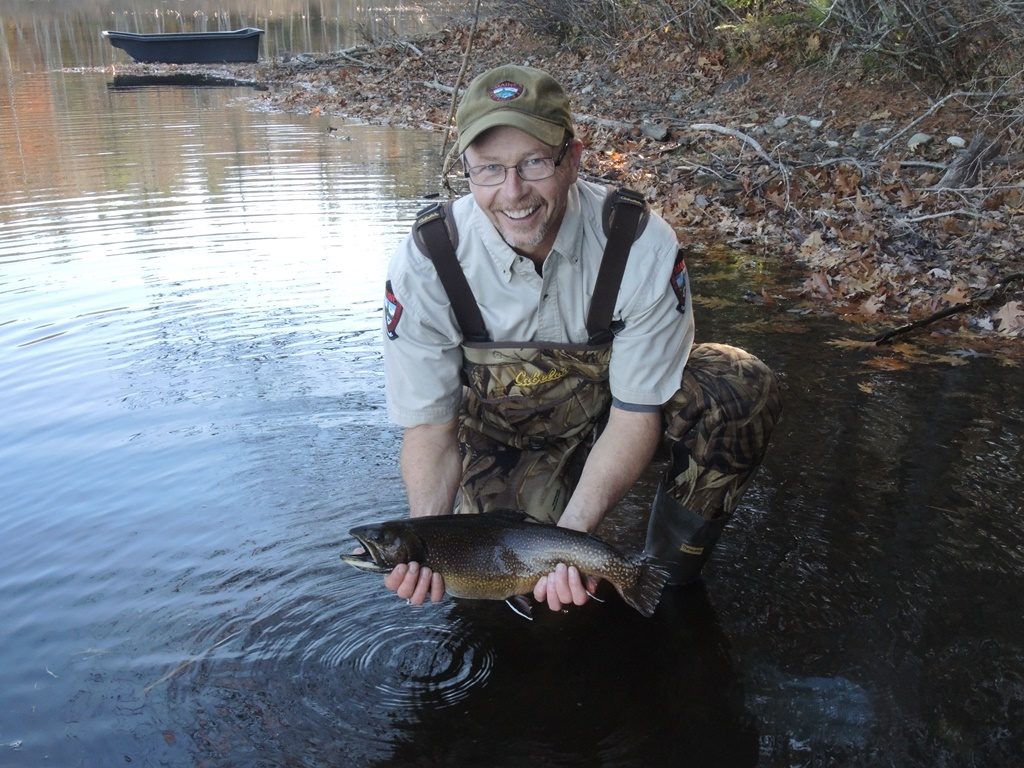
x: 592, y: 596
x: 521, y: 605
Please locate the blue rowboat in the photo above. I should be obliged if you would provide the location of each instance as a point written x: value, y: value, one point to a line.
x: 189, y: 47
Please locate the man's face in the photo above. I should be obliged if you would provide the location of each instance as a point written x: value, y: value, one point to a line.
x: 527, y: 214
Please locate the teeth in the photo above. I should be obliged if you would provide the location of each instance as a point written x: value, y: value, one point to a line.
x: 519, y: 214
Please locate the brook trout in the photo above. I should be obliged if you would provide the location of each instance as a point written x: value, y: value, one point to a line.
x: 499, y: 556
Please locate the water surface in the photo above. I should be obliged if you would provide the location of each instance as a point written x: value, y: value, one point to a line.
x: 191, y: 391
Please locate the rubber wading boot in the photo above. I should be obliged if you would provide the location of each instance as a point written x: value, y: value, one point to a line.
x: 680, y: 539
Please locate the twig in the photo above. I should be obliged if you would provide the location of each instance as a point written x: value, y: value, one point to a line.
x: 989, y: 296
x: 615, y: 125
x: 748, y: 140
x: 964, y: 170
x: 931, y: 111
x: 433, y: 84
x: 405, y: 44
x: 354, y: 60
x: 941, y: 215
x: 458, y: 84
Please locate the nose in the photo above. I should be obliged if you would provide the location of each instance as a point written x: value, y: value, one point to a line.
x: 513, y: 182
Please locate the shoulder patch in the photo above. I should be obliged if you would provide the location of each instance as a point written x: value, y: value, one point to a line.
x: 678, y: 281
x: 392, y: 312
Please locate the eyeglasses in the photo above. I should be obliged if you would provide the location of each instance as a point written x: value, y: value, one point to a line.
x: 530, y: 169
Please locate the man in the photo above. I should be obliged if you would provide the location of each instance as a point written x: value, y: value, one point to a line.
x: 533, y: 370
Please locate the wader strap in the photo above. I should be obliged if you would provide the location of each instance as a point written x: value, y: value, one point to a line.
x: 432, y: 234
x: 628, y: 209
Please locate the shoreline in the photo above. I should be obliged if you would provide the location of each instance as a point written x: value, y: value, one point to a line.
x: 896, y: 206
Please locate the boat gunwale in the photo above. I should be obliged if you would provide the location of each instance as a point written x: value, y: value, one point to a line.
x: 157, y: 37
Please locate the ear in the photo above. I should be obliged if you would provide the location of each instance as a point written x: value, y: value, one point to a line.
x: 573, y: 158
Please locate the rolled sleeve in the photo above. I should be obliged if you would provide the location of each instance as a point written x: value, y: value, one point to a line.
x: 422, y: 354
x: 650, y: 352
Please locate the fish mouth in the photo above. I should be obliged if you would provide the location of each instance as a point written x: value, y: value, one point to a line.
x: 370, y: 559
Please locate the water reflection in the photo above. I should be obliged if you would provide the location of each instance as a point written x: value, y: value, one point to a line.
x: 66, y: 33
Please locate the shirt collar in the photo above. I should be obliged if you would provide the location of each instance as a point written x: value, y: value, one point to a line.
x: 569, y: 240
x: 499, y: 251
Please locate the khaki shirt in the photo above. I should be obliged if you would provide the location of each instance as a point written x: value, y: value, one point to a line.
x: 422, y: 354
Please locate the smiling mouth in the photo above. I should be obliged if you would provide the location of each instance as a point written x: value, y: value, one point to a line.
x: 520, y: 215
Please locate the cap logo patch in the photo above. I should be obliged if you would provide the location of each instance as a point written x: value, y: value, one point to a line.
x: 506, y: 91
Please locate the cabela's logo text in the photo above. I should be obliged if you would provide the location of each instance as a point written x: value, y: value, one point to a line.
x: 524, y: 379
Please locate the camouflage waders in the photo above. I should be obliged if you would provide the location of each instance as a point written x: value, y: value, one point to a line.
x: 531, y: 416
x: 527, y: 413
x: 717, y: 427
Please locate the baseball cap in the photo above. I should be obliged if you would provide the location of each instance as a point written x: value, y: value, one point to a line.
x: 521, y: 97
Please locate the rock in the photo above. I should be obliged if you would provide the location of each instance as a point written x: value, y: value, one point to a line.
x: 812, y: 122
x: 918, y: 140
x: 957, y: 142
x: 734, y: 84
x: 656, y: 131
x: 864, y: 131
x: 781, y: 121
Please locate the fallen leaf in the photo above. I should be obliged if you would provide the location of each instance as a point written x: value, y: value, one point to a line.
x: 845, y: 343
x: 908, y: 197
x: 956, y: 295
x: 1010, y: 318
x: 812, y: 243
x: 888, y: 364
x: 873, y: 305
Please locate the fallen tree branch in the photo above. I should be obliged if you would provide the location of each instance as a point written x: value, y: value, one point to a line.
x: 615, y: 125
x: 989, y: 296
x: 942, y: 215
x: 748, y: 140
x: 354, y: 60
x: 406, y: 44
x: 438, y: 86
x: 965, y: 168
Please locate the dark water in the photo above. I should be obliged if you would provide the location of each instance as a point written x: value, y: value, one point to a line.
x: 192, y: 418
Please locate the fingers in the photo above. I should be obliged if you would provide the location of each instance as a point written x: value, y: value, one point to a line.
x: 415, y: 583
x: 436, y: 587
x: 564, y: 586
x: 540, y: 591
x: 577, y: 587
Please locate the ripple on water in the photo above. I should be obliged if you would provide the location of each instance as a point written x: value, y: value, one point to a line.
x: 398, y: 666
x: 324, y: 677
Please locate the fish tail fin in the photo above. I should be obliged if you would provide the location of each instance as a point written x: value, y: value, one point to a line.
x: 645, y: 593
